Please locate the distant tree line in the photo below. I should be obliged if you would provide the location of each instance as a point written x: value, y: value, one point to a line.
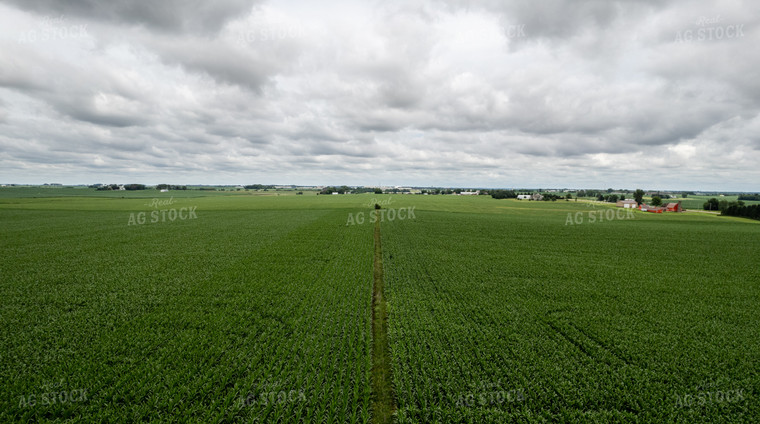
x: 359, y: 190
x: 437, y: 191
x: 612, y: 198
x: 503, y: 194
x: 595, y: 194
x: 607, y: 196
x: 340, y: 190
x: 512, y: 194
x: 103, y: 187
x: 552, y: 197
x: 751, y: 211
x: 433, y: 191
x: 258, y: 187
x: 749, y: 197
x: 722, y: 205
x: 134, y: 187
x: 170, y: 187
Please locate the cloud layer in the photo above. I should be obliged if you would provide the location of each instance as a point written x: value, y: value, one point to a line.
x: 559, y: 93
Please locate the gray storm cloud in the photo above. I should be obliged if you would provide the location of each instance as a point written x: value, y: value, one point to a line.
x: 487, y: 94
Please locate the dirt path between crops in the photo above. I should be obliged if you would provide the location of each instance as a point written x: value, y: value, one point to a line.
x: 383, y: 400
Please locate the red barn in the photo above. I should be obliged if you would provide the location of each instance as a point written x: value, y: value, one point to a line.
x: 673, y: 207
x: 653, y: 209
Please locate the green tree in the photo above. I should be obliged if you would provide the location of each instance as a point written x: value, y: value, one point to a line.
x: 656, y: 200
x: 711, y: 205
x: 638, y: 195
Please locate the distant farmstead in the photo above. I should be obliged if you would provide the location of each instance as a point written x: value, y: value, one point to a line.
x: 534, y: 196
x: 627, y: 203
x: 670, y: 207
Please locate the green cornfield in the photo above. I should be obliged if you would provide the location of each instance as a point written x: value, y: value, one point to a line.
x: 258, y: 308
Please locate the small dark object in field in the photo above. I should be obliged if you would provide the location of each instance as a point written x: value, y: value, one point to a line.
x: 377, y: 206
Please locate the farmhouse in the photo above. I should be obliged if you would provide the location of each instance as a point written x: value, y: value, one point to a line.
x: 537, y: 196
x: 627, y: 203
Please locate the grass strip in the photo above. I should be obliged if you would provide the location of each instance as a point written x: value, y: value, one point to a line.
x: 383, y: 400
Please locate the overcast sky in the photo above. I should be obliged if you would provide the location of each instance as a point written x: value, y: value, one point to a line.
x: 552, y: 93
